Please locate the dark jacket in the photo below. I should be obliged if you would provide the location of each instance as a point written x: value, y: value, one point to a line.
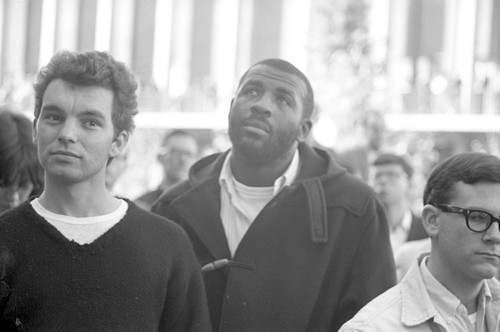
x: 316, y: 253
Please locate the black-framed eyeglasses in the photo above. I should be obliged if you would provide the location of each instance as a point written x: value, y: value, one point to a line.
x: 478, y: 221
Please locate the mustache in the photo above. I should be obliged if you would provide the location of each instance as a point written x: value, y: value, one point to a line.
x: 257, y: 123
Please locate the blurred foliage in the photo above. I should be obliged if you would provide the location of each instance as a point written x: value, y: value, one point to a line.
x: 342, y: 63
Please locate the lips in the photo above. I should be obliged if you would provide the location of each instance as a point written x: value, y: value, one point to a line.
x: 65, y: 153
x: 490, y: 254
x: 257, y: 124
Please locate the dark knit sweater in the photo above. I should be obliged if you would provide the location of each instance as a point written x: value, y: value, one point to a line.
x: 141, y: 275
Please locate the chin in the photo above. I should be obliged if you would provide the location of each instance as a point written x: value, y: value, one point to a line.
x: 487, y: 272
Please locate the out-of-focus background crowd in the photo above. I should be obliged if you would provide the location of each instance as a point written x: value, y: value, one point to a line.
x: 428, y: 70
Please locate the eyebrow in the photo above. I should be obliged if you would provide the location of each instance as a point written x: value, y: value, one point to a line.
x: 258, y: 83
x: 89, y: 112
x: 286, y: 91
x: 50, y: 107
x: 93, y: 113
x: 251, y: 82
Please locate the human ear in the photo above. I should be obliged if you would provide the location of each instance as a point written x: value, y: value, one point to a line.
x: 304, y: 130
x: 119, y: 143
x: 430, y: 220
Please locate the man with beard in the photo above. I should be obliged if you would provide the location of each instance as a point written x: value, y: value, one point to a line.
x: 286, y: 237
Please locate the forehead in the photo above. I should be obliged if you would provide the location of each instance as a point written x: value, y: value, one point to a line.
x: 389, y: 166
x: 182, y: 141
x: 479, y: 194
x: 276, y: 78
x: 63, y: 94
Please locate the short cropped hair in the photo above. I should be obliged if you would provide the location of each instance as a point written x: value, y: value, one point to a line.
x: 393, y: 159
x: 93, y: 68
x: 287, y: 67
x: 18, y: 154
x: 176, y: 132
x: 469, y: 168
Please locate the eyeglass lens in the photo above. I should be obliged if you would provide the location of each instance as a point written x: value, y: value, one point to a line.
x: 479, y: 220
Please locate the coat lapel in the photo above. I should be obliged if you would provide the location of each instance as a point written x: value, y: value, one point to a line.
x: 200, y: 208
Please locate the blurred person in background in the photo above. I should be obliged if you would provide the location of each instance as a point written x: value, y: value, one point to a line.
x: 77, y: 258
x: 21, y: 174
x: 178, y: 152
x: 115, y: 169
x: 358, y: 159
x: 453, y: 288
x: 288, y: 240
x: 408, y: 252
x: 391, y: 177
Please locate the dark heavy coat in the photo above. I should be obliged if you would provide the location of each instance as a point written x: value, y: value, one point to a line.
x: 316, y: 253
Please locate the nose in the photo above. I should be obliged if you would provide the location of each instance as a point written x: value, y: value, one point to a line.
x: 68, y: 131
x: 493, y: 233
x: 264, y: 105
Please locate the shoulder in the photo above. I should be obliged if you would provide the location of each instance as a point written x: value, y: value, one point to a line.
x: 350, y: 192
x: 173, y: 192
x: 410, y: 250
x: 20, y: 227
x: 150, y: 197
x: 16, y: 215
x: 153, y: 225
x: 383, y: 313
x: 205, y: 169
x: 339, y: 186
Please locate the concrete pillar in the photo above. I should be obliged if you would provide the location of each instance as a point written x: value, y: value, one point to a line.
x: 142, y: 55
x: 87, y: 25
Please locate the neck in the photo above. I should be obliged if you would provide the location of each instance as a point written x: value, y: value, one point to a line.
x: 78, y: 200
x: 259, y: 175
x: 168, y: 182
x: 465, y: 289
x: 395, y: 214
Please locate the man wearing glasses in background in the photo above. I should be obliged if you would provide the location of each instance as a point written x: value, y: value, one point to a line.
x: 391, y: 177
x: 178, y: 152
x: 453, y: 288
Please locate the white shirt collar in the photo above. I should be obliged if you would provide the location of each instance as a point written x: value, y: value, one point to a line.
x: 445, y: 302
x: 226, y: 176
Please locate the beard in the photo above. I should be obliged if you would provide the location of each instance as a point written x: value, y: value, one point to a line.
x: 260, y: 150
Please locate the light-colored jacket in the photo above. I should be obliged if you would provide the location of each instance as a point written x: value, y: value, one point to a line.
x: 408, y: 307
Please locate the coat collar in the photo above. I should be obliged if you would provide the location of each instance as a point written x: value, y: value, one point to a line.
x: 314, y: 162
x: 205, y: 194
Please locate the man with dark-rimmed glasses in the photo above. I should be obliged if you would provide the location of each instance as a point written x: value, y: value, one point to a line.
x: 454, y: 287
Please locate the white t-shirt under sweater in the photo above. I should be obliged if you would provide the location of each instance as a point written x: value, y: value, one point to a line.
x: 240, y: 204
x: 81, y: 230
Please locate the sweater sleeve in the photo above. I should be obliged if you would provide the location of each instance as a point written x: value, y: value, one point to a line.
x: 186, y: 306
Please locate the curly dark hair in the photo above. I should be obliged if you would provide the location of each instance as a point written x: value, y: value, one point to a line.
x: 468, y: 167
x: 93, y: 68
